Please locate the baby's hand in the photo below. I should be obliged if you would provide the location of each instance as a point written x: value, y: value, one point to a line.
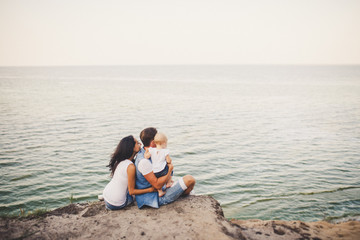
x: 147, y: 154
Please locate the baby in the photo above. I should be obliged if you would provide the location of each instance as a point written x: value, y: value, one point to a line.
x: 160, y: 158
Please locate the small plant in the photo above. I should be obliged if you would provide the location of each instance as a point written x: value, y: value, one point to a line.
x: 37, y: 212
x: 71, y: 198
x: 22, y: 213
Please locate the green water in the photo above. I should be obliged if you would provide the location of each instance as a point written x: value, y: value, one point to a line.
x: 268, y: 142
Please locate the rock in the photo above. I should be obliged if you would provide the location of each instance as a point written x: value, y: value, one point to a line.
x: 191, y: 217
x: 258, y: 229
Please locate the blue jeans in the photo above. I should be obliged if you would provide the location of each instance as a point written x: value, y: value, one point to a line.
x: 129, y: 200
x: 172, y: 194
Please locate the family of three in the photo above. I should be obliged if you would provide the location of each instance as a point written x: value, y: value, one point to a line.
x: 145, y: 172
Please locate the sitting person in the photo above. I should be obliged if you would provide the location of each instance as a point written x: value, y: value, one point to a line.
x: 145, y: 177
x: 160, y: 158
x: 118, y: 192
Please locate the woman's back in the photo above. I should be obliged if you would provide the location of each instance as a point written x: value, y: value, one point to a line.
x: 116, y: 190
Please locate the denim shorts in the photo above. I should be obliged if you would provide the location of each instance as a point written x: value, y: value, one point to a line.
x: 129, y: 200
x: 173, y: 193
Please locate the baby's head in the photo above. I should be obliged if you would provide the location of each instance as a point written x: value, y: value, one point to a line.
x: 160, y: 140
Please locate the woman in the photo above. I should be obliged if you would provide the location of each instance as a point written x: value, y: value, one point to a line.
x: 117, y: 193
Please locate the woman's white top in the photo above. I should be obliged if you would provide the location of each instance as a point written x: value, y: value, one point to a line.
x: 158, y: 158
x: 116, y: 190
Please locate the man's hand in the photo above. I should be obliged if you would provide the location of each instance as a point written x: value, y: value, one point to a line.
x: 171, y: 167
x: 168, y: 159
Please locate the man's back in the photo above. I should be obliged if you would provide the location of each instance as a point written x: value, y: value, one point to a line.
x: 148, y: 199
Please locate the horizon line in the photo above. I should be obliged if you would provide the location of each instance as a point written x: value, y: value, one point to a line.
x: 173, y: 65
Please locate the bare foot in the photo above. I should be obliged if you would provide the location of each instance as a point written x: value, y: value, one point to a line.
x: 161, y: 193
x: 169, y: 184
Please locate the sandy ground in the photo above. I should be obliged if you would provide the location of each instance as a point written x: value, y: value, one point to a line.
x: 192, y: 217
x: 258, y: 229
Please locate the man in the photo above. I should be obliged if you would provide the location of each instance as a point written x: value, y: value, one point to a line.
x: 146, y: 178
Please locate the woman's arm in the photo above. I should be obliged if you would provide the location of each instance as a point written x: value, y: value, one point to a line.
x: 131, y: 182
x: 157, y: 183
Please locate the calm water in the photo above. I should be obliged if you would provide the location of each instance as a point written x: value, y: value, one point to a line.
x: 268, y: 142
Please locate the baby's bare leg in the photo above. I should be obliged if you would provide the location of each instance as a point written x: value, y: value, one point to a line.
x: 169, y: 183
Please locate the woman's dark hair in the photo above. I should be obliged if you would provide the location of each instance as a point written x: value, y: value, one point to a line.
x: 147, y: 135
x: 123, y: 151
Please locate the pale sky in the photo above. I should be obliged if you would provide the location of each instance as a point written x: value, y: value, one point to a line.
x: 152, y: 32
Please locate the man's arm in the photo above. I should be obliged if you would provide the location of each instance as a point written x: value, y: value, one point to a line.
x: 168, y: 159
x: 131, y: 182
x: 157, y: 183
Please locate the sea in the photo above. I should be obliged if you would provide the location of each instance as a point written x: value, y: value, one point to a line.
x: 268, y: 142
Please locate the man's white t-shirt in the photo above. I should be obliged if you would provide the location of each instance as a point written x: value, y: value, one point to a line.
x: 158, y: 158
x: 145, y: 166
x: 116, y: 190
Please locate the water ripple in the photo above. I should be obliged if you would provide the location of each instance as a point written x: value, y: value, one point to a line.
x: 267, y: 142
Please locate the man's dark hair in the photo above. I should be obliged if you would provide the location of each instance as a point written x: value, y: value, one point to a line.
x: 147, y: 135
